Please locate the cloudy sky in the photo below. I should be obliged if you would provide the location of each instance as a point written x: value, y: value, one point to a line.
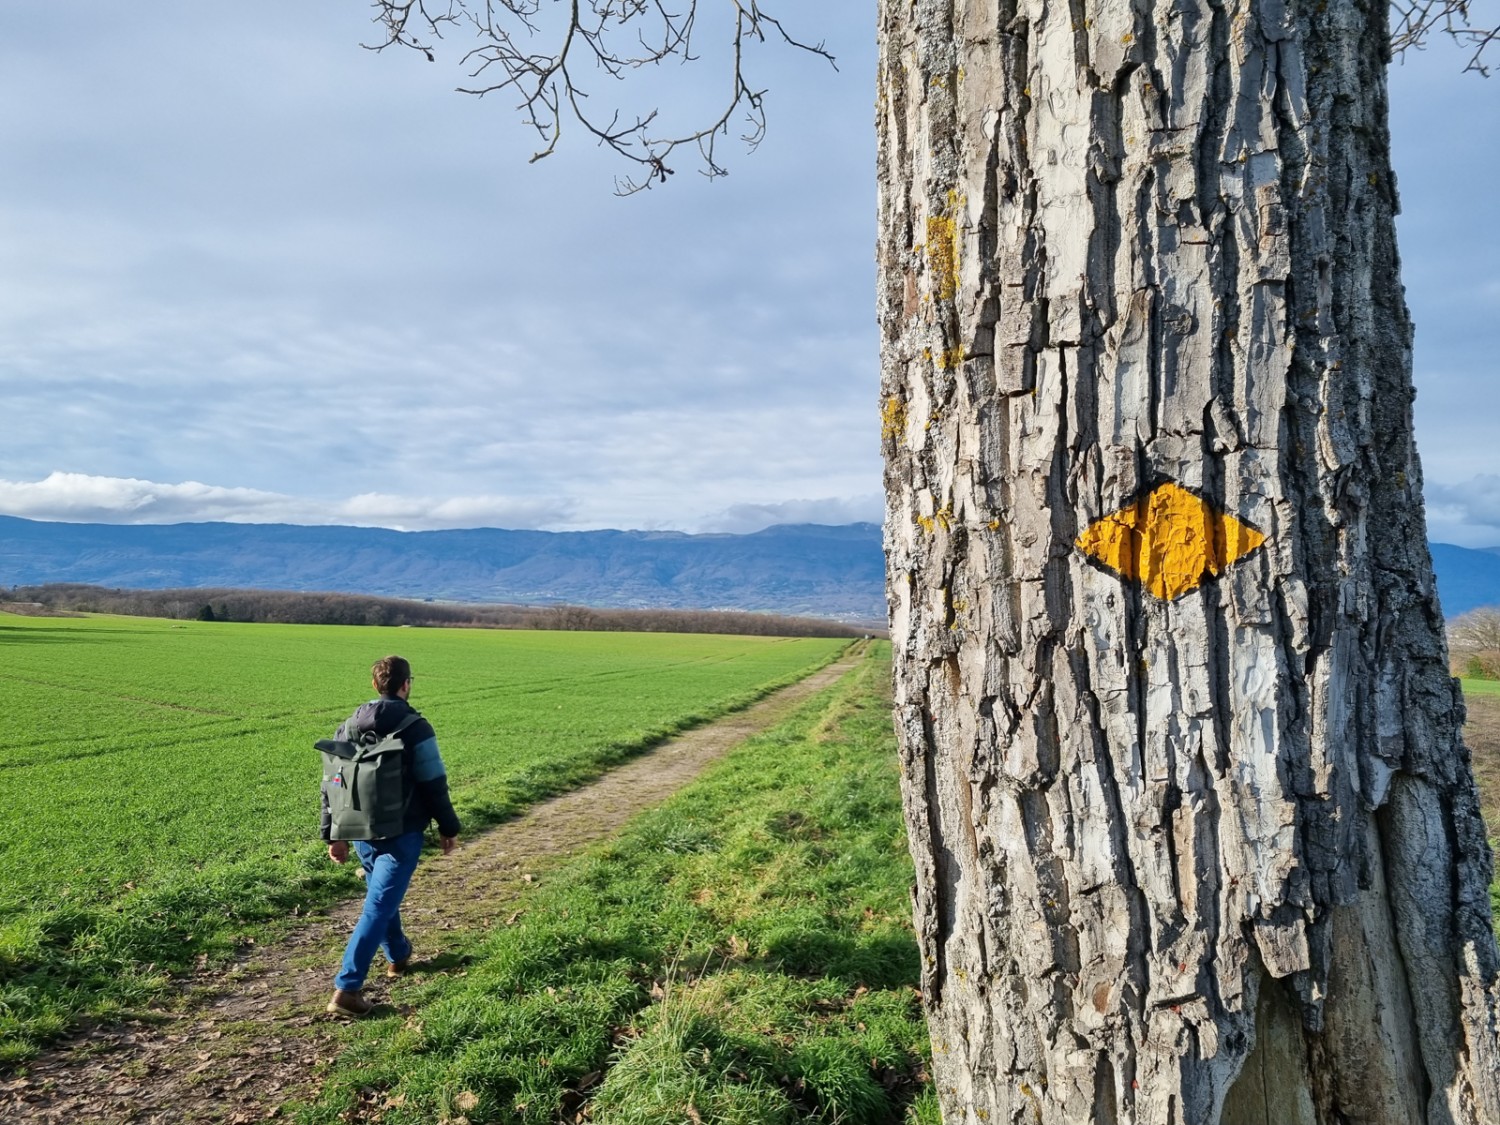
x: 251, y: 271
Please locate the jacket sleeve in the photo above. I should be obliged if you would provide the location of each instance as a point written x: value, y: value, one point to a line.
x: 431, y: 778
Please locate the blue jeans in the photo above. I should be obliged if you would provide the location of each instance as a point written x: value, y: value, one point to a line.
x: 389, y: 865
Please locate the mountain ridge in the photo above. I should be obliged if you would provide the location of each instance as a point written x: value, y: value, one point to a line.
x: 823, y: 570
x: 815, y: 569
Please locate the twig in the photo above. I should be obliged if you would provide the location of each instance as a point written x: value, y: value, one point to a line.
x: 1413, y: 21
x: 610, y: 37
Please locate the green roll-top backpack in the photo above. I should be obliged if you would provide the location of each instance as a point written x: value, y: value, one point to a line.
x: 367, y: 783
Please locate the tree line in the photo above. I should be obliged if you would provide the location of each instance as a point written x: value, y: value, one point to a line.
x: 1474, y: 639
x: 291, y: 607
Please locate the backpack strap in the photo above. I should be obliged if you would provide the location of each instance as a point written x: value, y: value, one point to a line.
x: 410, y: 720
x: 350, y: 748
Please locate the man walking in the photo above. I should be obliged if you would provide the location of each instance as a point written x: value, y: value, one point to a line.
x: 389, y: 862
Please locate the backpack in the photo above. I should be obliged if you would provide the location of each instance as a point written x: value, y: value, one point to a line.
x: 367, y: 785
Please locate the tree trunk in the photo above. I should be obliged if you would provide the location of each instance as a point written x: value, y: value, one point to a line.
x: 1197, y: 839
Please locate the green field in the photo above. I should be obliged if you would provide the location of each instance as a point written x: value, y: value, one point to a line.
x: 1473, y: 686
x: 161, y: 786
x: 741, y: 955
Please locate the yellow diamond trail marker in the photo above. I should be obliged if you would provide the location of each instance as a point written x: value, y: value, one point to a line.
x: 1170, y: 540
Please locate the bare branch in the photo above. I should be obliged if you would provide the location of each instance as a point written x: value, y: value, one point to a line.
x: 1414, y: 21
x: 1476, y: 631
x: 545, y: 51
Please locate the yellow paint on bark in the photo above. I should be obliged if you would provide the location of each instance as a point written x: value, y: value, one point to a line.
x: 1170, y: 541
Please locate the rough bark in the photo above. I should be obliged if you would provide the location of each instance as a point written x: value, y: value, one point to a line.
x: 1196, y: 837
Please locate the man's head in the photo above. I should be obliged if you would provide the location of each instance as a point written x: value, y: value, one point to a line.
x: 390, y: 675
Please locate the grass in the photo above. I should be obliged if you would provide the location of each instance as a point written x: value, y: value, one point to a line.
x: 1475, y: 686
x: 743, y: 954
x: 161, y: 786
x: 740, y: 956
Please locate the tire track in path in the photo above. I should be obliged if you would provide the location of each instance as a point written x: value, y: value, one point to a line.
x: 247, y: 1039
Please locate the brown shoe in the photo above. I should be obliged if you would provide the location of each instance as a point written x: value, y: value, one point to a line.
x: 349, y: 1004
x: 397, y: 968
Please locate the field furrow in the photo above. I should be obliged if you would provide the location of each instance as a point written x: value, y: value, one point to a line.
x: 161, y: 787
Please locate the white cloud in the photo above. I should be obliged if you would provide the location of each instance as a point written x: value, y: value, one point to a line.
x: 349, y: 284
x: 1465, y: 514
x: 329, y: 279
x: 744, y: 518
x: 88, y: 498
x: 412, y: 513
x: 82, y: 498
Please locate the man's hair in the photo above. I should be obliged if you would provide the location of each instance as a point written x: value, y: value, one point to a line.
x: 389, y: 673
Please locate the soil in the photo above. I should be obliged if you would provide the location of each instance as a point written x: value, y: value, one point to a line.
x: 242, y: 1041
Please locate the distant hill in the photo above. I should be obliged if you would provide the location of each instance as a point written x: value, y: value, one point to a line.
x: 1466, y: 578
x: 803, y: 569
x: 807, y: 569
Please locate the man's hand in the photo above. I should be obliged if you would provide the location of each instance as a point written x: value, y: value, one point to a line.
x: 338, y: 850
x: 449, y: 843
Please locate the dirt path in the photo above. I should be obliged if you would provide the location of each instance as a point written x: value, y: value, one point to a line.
x: 247, y: 1039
